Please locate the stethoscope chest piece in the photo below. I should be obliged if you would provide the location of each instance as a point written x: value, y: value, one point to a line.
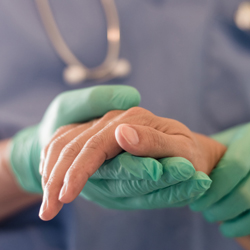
x: 242, y: 16
x: 76, y: 72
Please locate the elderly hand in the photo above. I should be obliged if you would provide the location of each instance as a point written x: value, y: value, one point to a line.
x: 77, y: 151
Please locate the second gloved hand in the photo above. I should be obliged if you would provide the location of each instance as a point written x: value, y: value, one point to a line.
x: 77, y: 151
x: 129, y: 182
x: 228, y: 199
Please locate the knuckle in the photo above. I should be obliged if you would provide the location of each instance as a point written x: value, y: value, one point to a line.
x: 72, y: 149
x: 57, y: 144
x: 155, y: 139
x: 63, y: 129
x: 135, y: 111
x: 94, y: 122
x: 94, y: 142
x: 60, y: 129
x: 142, y: 115
x: 111, y: 114
x: 58, y: 140
x: 97, y: 142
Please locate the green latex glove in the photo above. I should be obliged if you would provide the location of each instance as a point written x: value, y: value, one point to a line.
x: 69, y: 107
x: 125, y: 182
x: 130, y: 182
x: 228, y: 199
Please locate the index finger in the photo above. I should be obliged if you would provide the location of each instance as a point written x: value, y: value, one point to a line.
x: 102, y: 146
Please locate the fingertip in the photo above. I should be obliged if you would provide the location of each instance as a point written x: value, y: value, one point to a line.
x: 48, y: 212
x: 199, y: 204
x: 195, y: 187
x: 194, y: 207
x: 201, y: 176
x: 177, y: 168
x: 185, y: 168
x: 125, y: 97
x: 209, y: 216
x: 228, y: 232
x: 113, y: 97
x: 126, y: 136
x: 45, y: 216
x: 45, y: 212
x: 203, y: 182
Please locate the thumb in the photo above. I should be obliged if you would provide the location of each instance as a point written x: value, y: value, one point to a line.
x: 82, y: 105
x: 148, y: 142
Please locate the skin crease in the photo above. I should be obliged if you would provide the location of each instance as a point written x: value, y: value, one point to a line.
x: 76, y: 151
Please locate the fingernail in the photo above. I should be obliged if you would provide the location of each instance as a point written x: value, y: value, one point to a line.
x: 63, y: 191
x: 43, y: 208
x: 130, y: 135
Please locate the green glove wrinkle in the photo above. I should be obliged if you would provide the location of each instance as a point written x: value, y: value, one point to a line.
x: 25, y: 142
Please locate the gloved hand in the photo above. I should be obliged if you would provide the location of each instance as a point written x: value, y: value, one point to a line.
x: 69, y: 107
x: 76, y: 152
x: 228, y: 199
x: 131, y: 182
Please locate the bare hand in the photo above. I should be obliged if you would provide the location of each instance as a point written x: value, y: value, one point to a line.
x: 77, y: 151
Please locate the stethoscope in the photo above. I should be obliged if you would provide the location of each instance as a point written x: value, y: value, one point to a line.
x: 76, y: 72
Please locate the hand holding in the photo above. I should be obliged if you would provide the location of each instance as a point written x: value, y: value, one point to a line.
x: 69, y: 107
x: 79, y: 150
x: 228, y: 199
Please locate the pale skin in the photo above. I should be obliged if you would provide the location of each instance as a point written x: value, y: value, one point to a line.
x: 76, y: 151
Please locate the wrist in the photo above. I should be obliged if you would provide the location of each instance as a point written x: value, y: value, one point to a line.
x: 211, y: 152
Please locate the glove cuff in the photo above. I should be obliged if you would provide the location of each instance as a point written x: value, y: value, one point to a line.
x: 24, y: 159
